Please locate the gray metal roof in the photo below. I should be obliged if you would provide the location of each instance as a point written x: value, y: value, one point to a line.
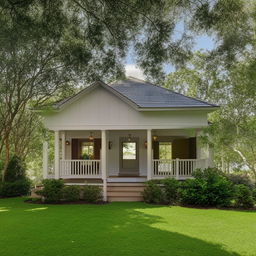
x: 142, y: 95
x: 147, y: 95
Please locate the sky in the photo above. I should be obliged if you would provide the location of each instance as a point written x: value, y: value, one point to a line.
x: 201, y: 43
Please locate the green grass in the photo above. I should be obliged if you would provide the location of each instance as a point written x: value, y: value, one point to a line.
x: 123, y: 229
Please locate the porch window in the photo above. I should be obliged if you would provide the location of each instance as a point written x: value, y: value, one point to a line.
x: 165, y: 150
x: 87, y: 150
x: 129, y: 151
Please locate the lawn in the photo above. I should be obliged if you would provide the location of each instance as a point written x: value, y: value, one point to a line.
x: 123, y: 229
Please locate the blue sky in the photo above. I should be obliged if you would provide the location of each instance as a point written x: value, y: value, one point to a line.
x: 202, y: 42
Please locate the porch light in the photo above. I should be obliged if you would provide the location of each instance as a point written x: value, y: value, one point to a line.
x: 91, y: 136
x: 110, y: 144
x: 155, y: 137
x: 129, y: 137
x: 145, y: 144
x: 67, y: 142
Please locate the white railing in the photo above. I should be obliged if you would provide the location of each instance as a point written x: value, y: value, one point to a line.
x: 177, y: 168
x: 80, y: 169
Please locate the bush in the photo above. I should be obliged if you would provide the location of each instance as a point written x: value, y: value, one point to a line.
x: 19, y: 187
x: 241, y: 178
x: 254, y: 195
x: 170, y: 190
x: 153, y: 193
x: 71, y: 193
x: 243, y: 196
x: 208, y: 188
x: 92, y: 194
x: 52, y: 190
x: 15, y: 170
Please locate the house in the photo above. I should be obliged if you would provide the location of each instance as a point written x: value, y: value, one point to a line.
x: 121, y: 134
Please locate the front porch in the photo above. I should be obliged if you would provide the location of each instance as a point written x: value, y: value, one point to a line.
x: 179, y: 169
x: 101, y: 157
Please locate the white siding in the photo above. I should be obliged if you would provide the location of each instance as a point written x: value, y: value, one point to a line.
x: 99, y: 109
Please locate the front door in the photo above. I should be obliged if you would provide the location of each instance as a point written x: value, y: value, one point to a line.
x: 129, y: 157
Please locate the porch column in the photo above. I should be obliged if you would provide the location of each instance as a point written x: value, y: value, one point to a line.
x: 63, y: 145
x: 56, y: 154
x: 104, y: 162
x: 149, y: 154
x: 45, y: 159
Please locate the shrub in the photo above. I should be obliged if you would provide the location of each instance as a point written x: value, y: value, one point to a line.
x: 241, y: 178
x: 254, y: 195
x: 243, y: 196
x: 170, y: 190
x: 15, y: 170
x: 1, y: 187
x: 153, y: 193
x: 52, y: 190
x: 19, y: 187
x: 71, y: 193
x: 92, y: 194
x: 208, y: 188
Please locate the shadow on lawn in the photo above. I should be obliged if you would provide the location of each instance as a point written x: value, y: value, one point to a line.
x: 118, y: 229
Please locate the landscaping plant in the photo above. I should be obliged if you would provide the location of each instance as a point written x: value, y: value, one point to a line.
x: 15, y: 181
x: 92, y: 194
x: 170, y: 190
x: 52, y: 191
x: 208, y: 188
x: 71, y: 193
x: 153, y: 193
x: 243, y: 197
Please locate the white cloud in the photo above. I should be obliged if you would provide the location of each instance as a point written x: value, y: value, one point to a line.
x: 133, y: 70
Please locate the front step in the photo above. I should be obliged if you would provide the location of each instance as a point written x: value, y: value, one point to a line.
x: 125, y: 192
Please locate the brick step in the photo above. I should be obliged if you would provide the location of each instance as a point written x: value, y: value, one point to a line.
x: 125, y: 199
x: 124, y: 193
x: 123, y: 189
x: 125, y: 184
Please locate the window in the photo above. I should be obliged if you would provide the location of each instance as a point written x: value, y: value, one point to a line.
x: 129, y: 150
x: 87, y: 150
x: 165, y: 150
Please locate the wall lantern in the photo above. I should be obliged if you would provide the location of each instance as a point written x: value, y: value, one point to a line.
x: 155, y: 137
x: 129, y: 137
x: 110, y: 144
x: 145, y: 144
x: 67, y: 142
x: 91, y: 136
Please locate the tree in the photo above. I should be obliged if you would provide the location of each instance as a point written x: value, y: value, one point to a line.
x: 48, y: 46
x: 233, y: 127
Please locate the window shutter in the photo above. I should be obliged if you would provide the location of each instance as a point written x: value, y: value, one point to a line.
x: 155, y: 149
x: 74, y: 149
x: 180, y: 149
x: 97, y: 147
x: 192, y: 148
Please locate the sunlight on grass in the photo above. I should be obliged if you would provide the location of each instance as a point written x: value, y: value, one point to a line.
x: 36, y: 209
x: 227, y: 228
x: 4, y: 209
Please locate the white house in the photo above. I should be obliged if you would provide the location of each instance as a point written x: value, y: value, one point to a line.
x: 122, y: 134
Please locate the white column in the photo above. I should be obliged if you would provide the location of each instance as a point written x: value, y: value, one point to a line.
x: 57, y: 154
x: 149, y: 154
x: 63, y: 145
x: 104, y: 162
x: 45, y: 159
x: 177, y: 168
